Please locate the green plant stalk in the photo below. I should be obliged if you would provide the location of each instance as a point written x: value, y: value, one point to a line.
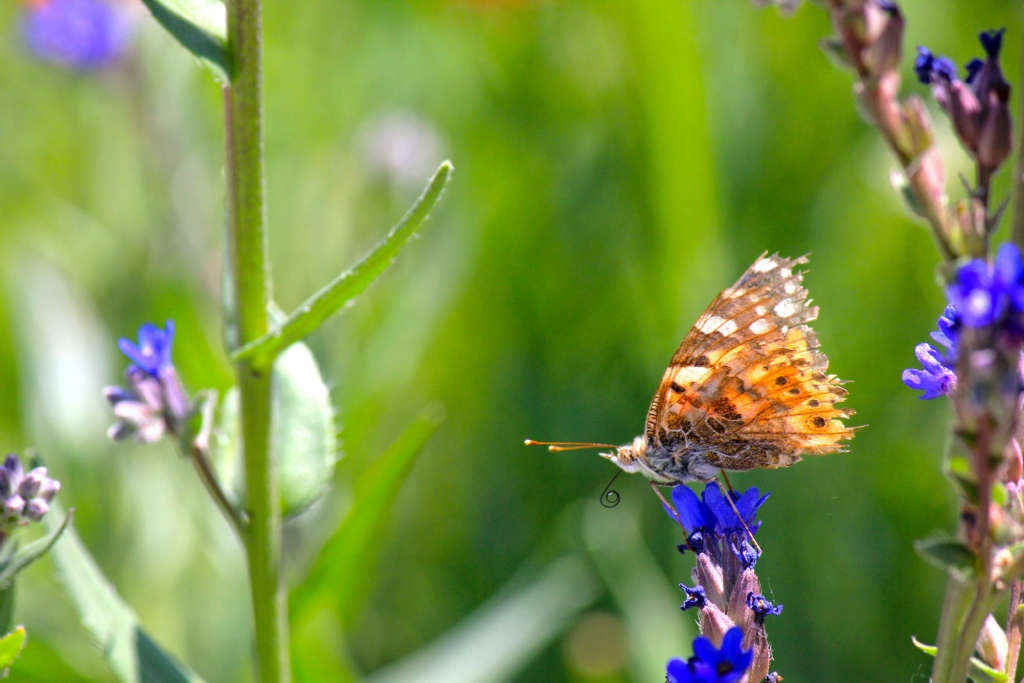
x: 250, y: 281
x: 1017, y: 185
x: 957, y: 601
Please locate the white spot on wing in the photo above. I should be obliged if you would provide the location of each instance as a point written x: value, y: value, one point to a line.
x: 785, y: 308
x: 727, y: 328
x: 734, y: 293
x: 760, y: 326
x: 690, y: 373
x: 785, y: 272
x: 760, y: 310
x: 764, y: 265
x: 711, y: 324
x: 789, y: 288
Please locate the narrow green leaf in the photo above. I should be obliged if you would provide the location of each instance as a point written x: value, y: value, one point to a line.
x: 980, y: 672
x: 345, y: 566
x: 303, y: 435
x: 929, y: 650
x: 130, y: 652
x: 344, y: 288
x: 199, y: 25
x: 25, y: 556
x: 10, y: 647
x: 947, y: 554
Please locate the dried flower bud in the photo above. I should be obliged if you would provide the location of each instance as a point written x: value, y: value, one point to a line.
x: 739, y: 608
x: 992, y: 644
x: 885, y: 31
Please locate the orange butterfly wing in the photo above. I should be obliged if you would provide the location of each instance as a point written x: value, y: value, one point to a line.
x: 748, y: 385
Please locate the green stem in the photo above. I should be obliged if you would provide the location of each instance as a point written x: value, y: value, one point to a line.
x: 250, y: 281
x: 954, y: 608
x: 1018, y: 170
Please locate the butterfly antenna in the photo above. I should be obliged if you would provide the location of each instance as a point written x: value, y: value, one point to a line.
x: 732, y: 504
x: 568, y: 445
x: 675, y: 513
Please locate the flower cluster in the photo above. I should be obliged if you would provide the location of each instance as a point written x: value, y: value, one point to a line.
x: 78, y: 34
x: 983, y: 295
x: 727, y: 591
x: 154, y: 403
x: 710, y: 664
x: 25, y: 496
x: 978, y: 106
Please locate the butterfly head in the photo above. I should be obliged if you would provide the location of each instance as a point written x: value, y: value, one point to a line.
x: 630, y: 457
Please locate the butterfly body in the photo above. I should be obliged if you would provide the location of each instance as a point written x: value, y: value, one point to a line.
x: 746, y: 389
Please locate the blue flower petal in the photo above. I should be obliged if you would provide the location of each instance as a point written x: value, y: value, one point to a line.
x: 693, y: 513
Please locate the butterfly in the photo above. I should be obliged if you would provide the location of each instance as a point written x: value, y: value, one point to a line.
x: 746, y: 389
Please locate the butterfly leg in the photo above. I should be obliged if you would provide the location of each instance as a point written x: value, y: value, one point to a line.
x: 727, y: 482
x: 732, y: 504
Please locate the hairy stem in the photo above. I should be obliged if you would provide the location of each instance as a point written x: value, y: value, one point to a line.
x: 250, y: 282
x: 1013, y: 630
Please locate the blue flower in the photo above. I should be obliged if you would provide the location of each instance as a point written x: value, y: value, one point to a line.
x: 984, y: 294
x: 930, y: 68
x: 153, y: 353
x: 992, y: 42
x: 154, y: 403
x: 762, y: 607
x: 936, y: 379
x: 695, y: 597
x: 746, y: 504
x: 77, y: 34
x: 694, y: 514
x: 711, y: 665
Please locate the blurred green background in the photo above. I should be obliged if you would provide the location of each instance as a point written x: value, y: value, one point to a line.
x: 617, y: 164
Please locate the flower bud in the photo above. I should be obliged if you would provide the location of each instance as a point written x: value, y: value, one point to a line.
x: 992, y: 644
x: 714, y: 624
x: 709, y: 575
x: 995, y: 139
x: 755, y: 639
x: 739, y: 610
x: 36, y: 508
x: 13, y: 506
x: 885, y: 25
x: 33, y: 481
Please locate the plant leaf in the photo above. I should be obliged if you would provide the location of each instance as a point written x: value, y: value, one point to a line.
x: 200, y: 26
x: 130, y: 652
x: 345, y: 566
x: 344, y: 288
x: 303, y: 434
x: 504, y: 634
x: 929, y: 650
x: 947, y: 554
x: 10, y: 647
x: 980, y: 672
x: 303, y: 438
x: 28, y: 554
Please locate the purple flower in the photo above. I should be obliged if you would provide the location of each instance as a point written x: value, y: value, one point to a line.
x: 153, y: 352
x: 936, y: 379
x: 77, y: 34
x: 695, y: 597
x: 154, y: 402
x: 711, y: 665
x: 24, y: 496
x: 930, y: 68
x: 762, y: 607
x: 711, y: 524
x: 984, y: 294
